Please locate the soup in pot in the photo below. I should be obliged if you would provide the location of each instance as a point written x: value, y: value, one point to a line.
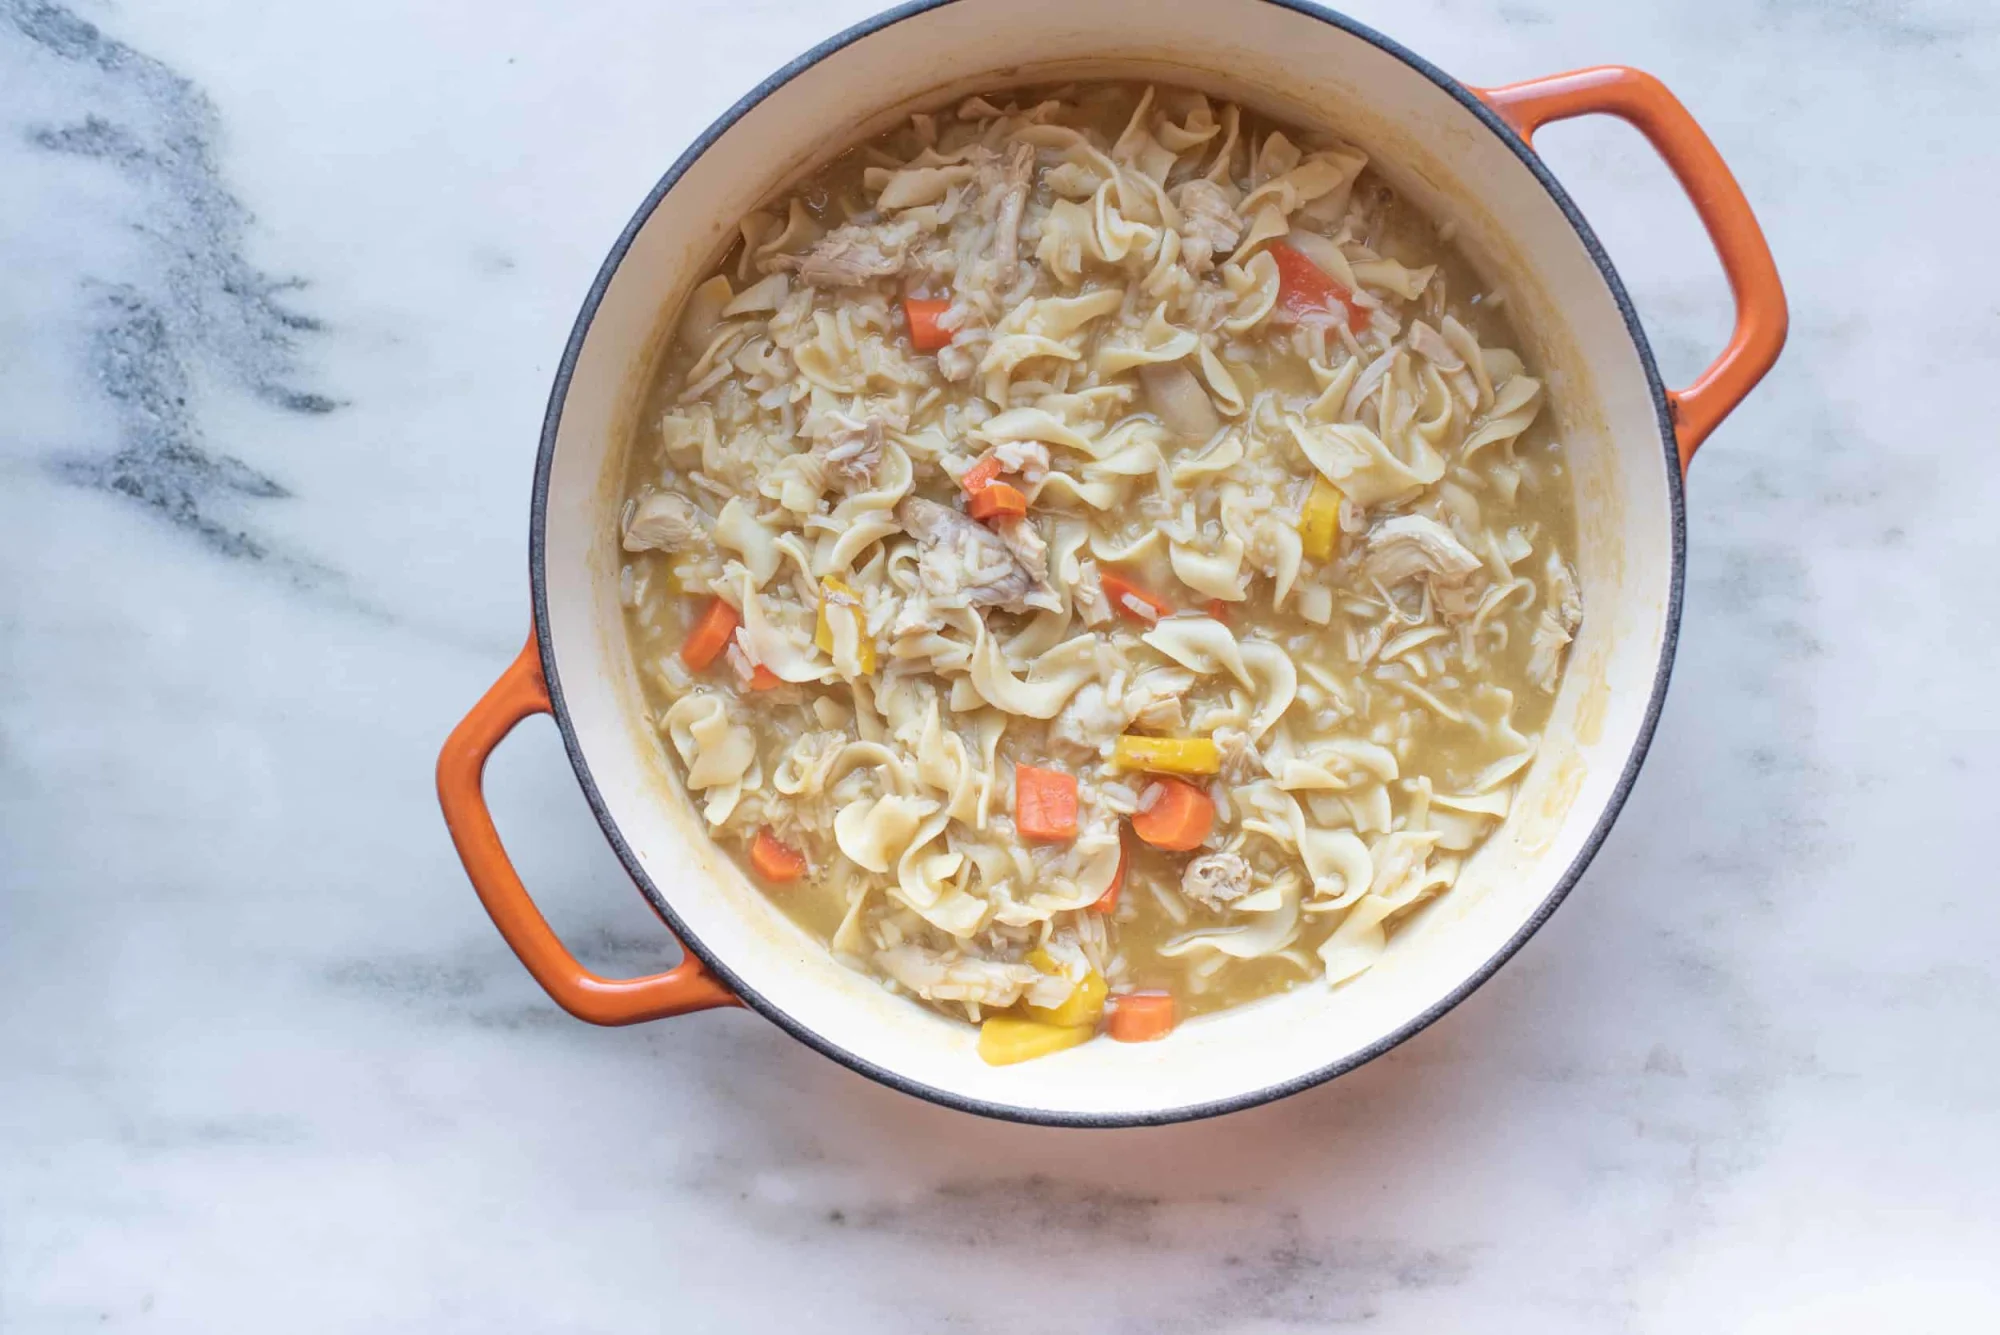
x: 1095, y: 557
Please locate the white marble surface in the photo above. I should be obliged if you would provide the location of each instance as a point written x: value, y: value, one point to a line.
x: 281, y: 288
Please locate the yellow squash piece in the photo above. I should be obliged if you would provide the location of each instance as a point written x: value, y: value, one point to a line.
x: 864, y: 650
x: 1004, y: 1039
x: 1082, y: 1007
x: 1168, y: 755
x: 1319, y: 522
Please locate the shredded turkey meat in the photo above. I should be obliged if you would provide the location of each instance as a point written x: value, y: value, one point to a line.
x: 1410, y: 547
x: 1029, y: 458
x: 1154, y: 699
x: 1210, y: 228
x: 955, y: 977
x: 851, y: 255
x: 1430, y: 344
x: 1556, y: 627
x: 1024, y: 541
x: 1215, y: 879
x: 1007, y: 222
x: 850, y: 455
x: 664, y: 521
x: 1088, y: 594
x: 963, y: 561
x: 1090, y: 722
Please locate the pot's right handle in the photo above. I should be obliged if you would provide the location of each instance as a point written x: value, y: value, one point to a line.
x: 1644, y: 103
x: 519, y: 694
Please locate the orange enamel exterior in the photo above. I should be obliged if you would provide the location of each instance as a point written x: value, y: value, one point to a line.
x: 1644, y: 103
x: 522, y: 691
x: 519, y: 694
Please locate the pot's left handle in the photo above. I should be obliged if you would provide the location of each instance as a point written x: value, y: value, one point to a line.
x: 518, y: 694
x: 1643, y: 102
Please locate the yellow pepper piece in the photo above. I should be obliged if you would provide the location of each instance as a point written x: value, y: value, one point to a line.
x: 1319, y: 522
x: 1168, y: 755
x: 1083, y: 1006
x: 1004, y: 1040
x: 864, y: 650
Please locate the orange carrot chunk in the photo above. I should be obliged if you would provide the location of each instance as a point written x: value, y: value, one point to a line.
x: 763, y: 679
x: 710, y: 636
x: 1044, y: 803
x: 775, y: 861
x: 1303, y: 286
x: 978, y: 477
x: 1173, y: 814
x: 1140, y: 1017
x: 1217, y: 609
x: 923, y: 313
x: 1132, y: 602
x: 997, y: 500
x: 1108, y: 901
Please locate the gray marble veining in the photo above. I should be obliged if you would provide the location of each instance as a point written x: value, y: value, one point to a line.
x: 281, y: 289
x: 187, y: 303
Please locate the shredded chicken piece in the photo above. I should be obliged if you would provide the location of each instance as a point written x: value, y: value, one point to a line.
x: 850, y: 455
x: 956, y: 977
x: 964, y: 560
x: 1090, y: 722
x: 1007, y: 221
x: 1029, y: 458
x: 664, y: 521
x: 1429, y: 344
x: 1209, y: 225
x: 1154, y: 698
x: 1215, y: 879
x: 1406, y: 546
x: 1563, y: 594
x: 1025, y: 542
x: 1088, y: 595
x: 1411, y: 547
x: 1556, y: 626
x: 1240, y: 760
x: 850, y: 256
x: 914, y: 615
x: 956, y: 364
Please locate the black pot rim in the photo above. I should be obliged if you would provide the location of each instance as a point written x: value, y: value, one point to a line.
x: 1150, y: 1117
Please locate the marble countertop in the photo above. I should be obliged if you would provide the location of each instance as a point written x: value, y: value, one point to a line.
x: 281, y: 290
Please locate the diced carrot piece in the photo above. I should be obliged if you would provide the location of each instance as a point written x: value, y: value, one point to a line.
x: 710, y: 636
x: 1130, y: 601
x: 763, y: 679
x: 923, y: 313
x: 1174, y: 814
x: 976, y: 478
x: 997, y: 500
x: 775, y: 861
x: 1044, y: 803
x: 1108, y: 901
x: 1140, y: 1017
x: 1216, y: 609
x: 1304, y: 286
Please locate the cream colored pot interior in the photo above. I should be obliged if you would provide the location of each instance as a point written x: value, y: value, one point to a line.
x: 1433, y: 149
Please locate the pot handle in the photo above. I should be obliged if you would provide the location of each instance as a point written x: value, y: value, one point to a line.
x: 1644, y: 103
x: 519, y: 693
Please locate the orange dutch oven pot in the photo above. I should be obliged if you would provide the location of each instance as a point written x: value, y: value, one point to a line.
x: 1463, y: 154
